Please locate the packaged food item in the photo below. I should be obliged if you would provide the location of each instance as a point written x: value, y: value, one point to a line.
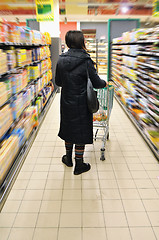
x: 39, y: 104
x: 34, y: 110
x: 5, y: 89
x: 17, y: 106
x: 100, y: 115
x: 3, y: 62
x: 6, y: 119
x: 8, y: 152
x: 21, y: 135
x: 47, y: 38
x: 21, y: 57
x: 11, y: 58
x: 4, y: 31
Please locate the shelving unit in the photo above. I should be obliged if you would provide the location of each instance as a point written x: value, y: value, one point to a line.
x: 135, y: 73
x: 35, y: 93
x: 102, y: 57
x: 91, y: 45
x: 20, y: 158
x: 98, y: 53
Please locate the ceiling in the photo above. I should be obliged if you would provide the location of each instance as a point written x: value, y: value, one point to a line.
x: 83, y: 10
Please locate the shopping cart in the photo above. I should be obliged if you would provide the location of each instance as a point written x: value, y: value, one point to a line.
x: 101, y: 118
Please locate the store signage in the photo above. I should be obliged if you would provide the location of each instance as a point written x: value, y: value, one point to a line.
x: 44, y: 10
x: 155, y: 12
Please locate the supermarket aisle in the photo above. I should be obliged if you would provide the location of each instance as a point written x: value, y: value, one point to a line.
x: 117, y: 199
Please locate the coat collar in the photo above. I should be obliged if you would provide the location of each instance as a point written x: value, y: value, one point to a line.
x: 81, y: 53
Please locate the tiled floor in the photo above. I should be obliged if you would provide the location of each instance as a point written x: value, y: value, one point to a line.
x: 117, y: 199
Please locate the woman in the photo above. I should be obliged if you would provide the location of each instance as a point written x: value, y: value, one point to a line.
x: 76, y: 125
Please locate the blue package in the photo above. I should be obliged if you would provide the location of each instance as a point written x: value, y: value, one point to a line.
x: 21, y: 135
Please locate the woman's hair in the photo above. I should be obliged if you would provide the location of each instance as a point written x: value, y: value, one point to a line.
x: 75, y: 39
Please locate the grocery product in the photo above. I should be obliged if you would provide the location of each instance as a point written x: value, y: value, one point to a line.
x: 5, y: 89
x: 135, y: 72
x: 25, y: 71
x: 6, y: 119
x: 8, y: 151
x: 3, y: 62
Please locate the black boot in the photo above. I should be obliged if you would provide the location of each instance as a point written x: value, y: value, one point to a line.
x: 67, y: 160
x: 81, y: 167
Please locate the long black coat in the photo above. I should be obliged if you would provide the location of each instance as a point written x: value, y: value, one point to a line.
x: 76, y: 125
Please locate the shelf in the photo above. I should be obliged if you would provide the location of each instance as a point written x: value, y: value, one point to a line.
x: 43, y: 88
x: 6, y: 102
x: 15, y: 121
x: 22, y: 44
x: 20, y: 158
x: 138, y: 42
x: 12, y: 125
x: 29, y: 83
x: 148, y: 53
x: 145, y: 75
x: 21, y: 67
x: 116, y: 70
x: 151, y: 114
x: 148, y: 65
x: 139, y: 128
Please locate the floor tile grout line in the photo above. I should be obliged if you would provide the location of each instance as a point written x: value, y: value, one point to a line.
x: 140, y: 195
x: 81, y: 187
x: 124, y: 209
x: 45, y: 181
x: 58, y: 231
x: 101, y: 194
x: 40, y: 201
x: 21, y: 199
x: 145, y: 209
x: 144, y: 205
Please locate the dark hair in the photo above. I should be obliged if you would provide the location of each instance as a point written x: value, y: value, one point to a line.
x: 75, y: 39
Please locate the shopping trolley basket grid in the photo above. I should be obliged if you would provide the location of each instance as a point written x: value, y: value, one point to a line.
x: 101, y: 123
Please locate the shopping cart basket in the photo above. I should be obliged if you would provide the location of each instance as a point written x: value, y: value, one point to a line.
x: 101, y: 118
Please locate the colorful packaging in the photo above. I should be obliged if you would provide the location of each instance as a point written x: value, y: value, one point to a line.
x: 6, y: 119
x: 8, y: 151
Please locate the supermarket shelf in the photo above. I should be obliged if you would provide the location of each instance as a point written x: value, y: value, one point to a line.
x: 154, y: 150
x: 22, y: 44
x: 142, y: 94
x: 156, y: 41
x: 13, y: 124
x: 7, y: 101
x: 21, y: 67
x: 148, y: 89
x: 148, y: 53
x: 32, y: 81
x: 19, y: 160
x: 148, y: 65
x: 43, y: 87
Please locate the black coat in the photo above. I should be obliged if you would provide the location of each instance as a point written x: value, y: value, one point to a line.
x: 76, y: 125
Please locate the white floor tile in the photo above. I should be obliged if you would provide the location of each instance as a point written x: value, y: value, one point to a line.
x: 117, y: 199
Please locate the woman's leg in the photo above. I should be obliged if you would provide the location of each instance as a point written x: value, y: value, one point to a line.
x: 79, y: 151
x: 67, y: 159
x: 80, y: 166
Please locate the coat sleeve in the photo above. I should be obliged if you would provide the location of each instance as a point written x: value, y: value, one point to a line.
x: 58, y: 79
x: 97, y: 82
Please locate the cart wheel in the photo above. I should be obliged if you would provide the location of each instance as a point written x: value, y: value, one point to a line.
x: 108, y: 136
x: 102, y: 158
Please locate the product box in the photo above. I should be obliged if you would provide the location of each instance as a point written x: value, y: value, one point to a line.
x: 6, y: 119
x: 8, y: 151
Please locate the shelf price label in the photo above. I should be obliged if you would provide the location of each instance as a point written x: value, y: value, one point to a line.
x: 44, y: 10
x: 155, y: 11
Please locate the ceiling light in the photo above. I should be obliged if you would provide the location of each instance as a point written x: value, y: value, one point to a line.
x: 124, y: 9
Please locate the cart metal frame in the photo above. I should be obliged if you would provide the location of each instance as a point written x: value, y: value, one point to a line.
x: 105, y: 97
